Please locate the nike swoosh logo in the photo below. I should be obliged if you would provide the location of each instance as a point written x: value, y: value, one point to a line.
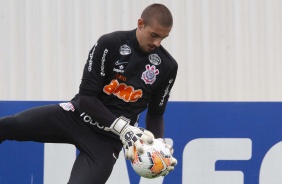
x: 120, y: 63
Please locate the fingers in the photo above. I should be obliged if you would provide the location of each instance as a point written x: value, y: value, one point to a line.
x: 170, y: 148
x: 129, y: 150
x: 173, y: 161
x: 170, y: 168
x: 164, y: 173
x: 138, y: 146
x: 149, y: 134
x: 129, y: 153
x: 126, y: 152
x: 134, y: 137
x: 146, y: 139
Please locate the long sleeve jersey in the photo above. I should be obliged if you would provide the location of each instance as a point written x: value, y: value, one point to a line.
x: 121, y: 80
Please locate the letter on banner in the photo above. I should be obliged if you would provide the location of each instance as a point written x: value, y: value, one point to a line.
x: 58, y: 158
x: 271, y: 166
x: 200, y: 156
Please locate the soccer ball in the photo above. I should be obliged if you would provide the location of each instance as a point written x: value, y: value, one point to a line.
x: 153, y: 162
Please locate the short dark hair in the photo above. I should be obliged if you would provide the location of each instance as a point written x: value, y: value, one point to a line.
x: 157, y: 12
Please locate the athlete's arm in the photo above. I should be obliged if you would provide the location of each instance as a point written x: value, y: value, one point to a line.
x: 155, y: 124
x: 92, y: 82
x: 94, y: 108
x: 157, y: 105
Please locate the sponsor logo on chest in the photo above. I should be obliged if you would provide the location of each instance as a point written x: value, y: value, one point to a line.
x: 123, y: 91
x: 120, y: 69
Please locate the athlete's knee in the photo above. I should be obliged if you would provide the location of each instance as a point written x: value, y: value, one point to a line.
x: 6, y: 127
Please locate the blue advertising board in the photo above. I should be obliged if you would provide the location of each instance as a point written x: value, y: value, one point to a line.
x: 214, y: 142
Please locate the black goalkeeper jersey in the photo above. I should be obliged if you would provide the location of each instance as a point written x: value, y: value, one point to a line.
x: 124, y: 79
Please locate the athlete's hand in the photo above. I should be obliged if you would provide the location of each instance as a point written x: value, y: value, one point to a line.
x: 131, y: 136
x: 147, y: 138
x: 173, y: 161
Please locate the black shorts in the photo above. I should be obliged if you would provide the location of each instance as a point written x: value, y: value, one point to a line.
x: 53, y: 124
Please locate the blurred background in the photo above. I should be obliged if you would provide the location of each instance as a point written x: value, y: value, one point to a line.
x: 227, y: 50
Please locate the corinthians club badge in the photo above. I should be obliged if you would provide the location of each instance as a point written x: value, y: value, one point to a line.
x: 149, y: 76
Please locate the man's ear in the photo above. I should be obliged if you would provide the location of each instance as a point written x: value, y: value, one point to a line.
x: 140, y: 23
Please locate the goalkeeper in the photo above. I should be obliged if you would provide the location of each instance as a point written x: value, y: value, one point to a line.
x: 126, y: 72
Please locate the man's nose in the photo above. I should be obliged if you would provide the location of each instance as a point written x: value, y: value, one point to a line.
x: 157, y: 42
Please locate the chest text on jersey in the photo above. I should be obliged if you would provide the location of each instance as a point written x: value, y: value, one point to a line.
x: 123, y: 91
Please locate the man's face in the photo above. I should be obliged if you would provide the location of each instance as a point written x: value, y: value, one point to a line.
x: 150, y: 36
